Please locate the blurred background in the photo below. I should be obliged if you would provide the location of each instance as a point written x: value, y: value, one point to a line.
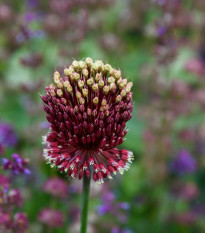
x: 159, y: 45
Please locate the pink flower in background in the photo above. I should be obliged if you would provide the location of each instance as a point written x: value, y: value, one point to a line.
x: 51, y: 218
x: 56, y: 187
x: 195, y: 66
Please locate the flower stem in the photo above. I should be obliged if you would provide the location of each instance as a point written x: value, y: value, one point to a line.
x: 85, y: 203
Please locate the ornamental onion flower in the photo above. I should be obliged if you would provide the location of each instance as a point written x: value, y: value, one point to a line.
x: 88, y: 110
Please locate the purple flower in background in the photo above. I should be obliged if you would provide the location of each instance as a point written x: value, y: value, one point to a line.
x: 104, y: 208
x: 51, y: 218
x: 163, y: 2
x: 161, y: 30
x: 7, y: 135
x: 118, y: 230
x: 56, y: 187
x: 32, y: 3
x: 115, y: 230
x: 108, y: 197
x: 184, y: 163
x: 124, y: 205
x: 107, y: 203
x: 44, y: 125
x: 16, y: 165
x: 110, y: 206
x: 199, y: 209
x: 30, y: 16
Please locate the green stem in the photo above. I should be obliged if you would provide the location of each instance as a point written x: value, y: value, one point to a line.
x: 85, y: 203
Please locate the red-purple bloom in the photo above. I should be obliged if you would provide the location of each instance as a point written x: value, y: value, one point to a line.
x: 16, y: 165
x: 56, y: 187
x: 51, y: 218
x: 184, y: 163
x: 88, y: 111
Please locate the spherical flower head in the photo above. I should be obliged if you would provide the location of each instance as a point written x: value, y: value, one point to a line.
x: 88, y: 110
x: 184, y: 163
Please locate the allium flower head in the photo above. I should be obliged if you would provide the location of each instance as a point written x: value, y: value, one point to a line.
x: 88, y: 110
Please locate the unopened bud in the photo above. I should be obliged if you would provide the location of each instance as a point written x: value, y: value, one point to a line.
x: 90, y: 81
x: 75, y: 65
x: 78, y: 95
x: 101, y: 83
x: 66, y: 84
x: 81, y: 64
x: 85, y: 92
x: 117, y: 74
x: 113, y: 86
x: 95, y: 100
x: 80, y: 83
x: 67, y: 71
x: 107, y: 68
x: 59, y: 92
x: 89, y: 61
x: 111, y: 80
x: 95, y: 87
x: 69, y: 89
x: 118, y: 98
x: 106, y: 89
x: 104, y: 102
x: 85, y: 73
x: 98, y: 76
x: 82, y: 100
